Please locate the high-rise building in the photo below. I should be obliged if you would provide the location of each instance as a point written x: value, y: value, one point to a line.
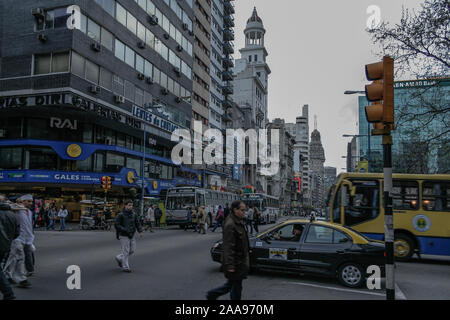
x: 317, y: 159
x: 78, y: 92
x: 330, y: 177
x: 251, y: 74
x: 300, y: 130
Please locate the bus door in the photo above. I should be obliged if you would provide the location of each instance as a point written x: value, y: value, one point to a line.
x: 363, y: 202
x: 199, y: 199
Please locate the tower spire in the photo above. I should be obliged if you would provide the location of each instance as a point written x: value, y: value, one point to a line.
x: 315, y: 122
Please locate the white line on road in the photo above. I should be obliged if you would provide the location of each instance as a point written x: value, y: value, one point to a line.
x: 338, y: 289
x: 399, y: 295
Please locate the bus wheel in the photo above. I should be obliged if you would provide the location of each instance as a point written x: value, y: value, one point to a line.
x: 403, y: 247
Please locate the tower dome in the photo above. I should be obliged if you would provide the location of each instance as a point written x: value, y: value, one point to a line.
x: 254, y: 31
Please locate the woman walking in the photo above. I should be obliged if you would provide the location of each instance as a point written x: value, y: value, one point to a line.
x: 62, y: 214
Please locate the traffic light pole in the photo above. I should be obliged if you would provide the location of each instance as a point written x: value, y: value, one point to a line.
x: 388, y: 217
x: 143, y: 171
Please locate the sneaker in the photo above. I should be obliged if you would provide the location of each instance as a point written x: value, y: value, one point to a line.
x: 119, y: 262
x: 127, y: 270
x: 24, y: 284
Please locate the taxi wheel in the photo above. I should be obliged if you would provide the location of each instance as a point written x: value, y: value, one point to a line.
x: 403, y: 247
x: 351, y: 275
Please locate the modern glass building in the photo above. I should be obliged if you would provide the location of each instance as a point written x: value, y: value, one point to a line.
x: 414, y: 151
x: 78, y: 90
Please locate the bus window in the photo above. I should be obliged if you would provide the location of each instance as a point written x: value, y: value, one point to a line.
x: 364, y: 205
x: 436, y: 196
x: 405, y: 195
x: 337, y: 207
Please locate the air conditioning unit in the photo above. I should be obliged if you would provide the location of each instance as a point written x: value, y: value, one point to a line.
x: 42, y: 37
x: 179, y: 48
x: 177, y: 71
x: 120, y: 99
x: 166, y: 36
x: 185, y: 26
x: 141, y: 76
x: 38, y: 12
x: 149, y: 80
x: 94, y: 89
x: 96, y: 47
x: 178, y: 99
x: 191, y: 33
x: 153, y: 20
x: 165, y: 91
x: 141, y: 44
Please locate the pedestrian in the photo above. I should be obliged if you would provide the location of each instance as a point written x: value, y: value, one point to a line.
x: 52, y: 217
x: 195, y: 219
x: 236, y: 257
x: 202, y: 220
x: 256, y: 218
x: 158, y: 215
x: 20, y: 263
x: 127, y: 223
x: 188, y: 218
x: 226, y: 211
x: 219, y: 219
x: 249, y: 225
x: 9, y: 230
x: 150, y: 219
x: 62, y: 214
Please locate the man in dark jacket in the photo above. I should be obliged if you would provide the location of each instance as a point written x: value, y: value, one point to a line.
x: 158, y: 215
x: 9, y: 230
x: 226, y: 211
x: 236, y: 257
x: 127, y: 223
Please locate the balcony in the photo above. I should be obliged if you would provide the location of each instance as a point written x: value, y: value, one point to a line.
x: 228, y: 35
x: 228, y: 21
x: 228, y: 7
x: 227, y: 63
x: 228, y: 89
x: 228, y: 48
x: 227, y: 104
x: 227, y: 76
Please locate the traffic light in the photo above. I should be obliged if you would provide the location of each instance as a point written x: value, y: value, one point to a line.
x: 381, y: 94
x: 104, y: 182
x: 108, y: 183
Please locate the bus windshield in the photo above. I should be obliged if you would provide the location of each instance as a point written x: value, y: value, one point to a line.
x: 180, y: 202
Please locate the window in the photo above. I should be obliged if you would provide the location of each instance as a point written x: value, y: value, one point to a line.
x: 134, y: 163
x: 60, y: 62
x: 92, y: 72
x: 120, y: 50
x: 364, y: 205
x: 105, y: 79
x: 337, y: 207
x: 436, y: 196
x: 139, y: 63
x: 141, y: 31
x: 107, y: 5
x: 10, y: 158
x: 42, y: 159
x: 150, y: 39
x: 165, y: 24
x: 131, y: 22
x: 405, y: 195
x: 42, y: 63
x: 129, y: 56
x: 163, y: 81
x: 164, y: 51
x: 156, y: 75
x: 107, y: 39
x: 148, y: 69
x: 139, y: 97
x: 114, y: 162
x: 129, y: 90
x: 170, y: 85
x: 143, y: 4
x: 83, y: 23
x: 93, y: 30
x: 121, y: 14
x: 173, y: 31
x: 319, y: 234
x: 150, y: 7
x: 118, y: 85
x: 99, y: 159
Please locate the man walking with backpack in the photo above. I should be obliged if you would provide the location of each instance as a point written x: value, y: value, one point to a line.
x: 127, y: 223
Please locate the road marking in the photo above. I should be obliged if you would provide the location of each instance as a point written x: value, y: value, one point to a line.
x: 338, y: 289
x: 399, y: 295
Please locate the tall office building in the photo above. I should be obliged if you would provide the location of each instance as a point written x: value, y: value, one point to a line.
x: 330, y: 177
x: 317, y: 159
x: 76, y: 97
x: 300, y: 130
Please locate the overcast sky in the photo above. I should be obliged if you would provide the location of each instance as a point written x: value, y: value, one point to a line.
x: 317, y: 50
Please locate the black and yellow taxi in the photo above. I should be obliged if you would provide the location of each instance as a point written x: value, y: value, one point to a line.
x: 309, y: 246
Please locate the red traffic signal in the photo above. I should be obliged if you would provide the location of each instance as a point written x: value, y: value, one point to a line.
x: 108, y: 183
x: 104, y: 182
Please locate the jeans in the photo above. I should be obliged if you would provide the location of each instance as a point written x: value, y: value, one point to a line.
x: 5, y: 287
x: 234, y: 287
x: 51, y: 225
x: 249, y: 224
x: 128, y: 248
x: 62, y: 222
x: 29, y: 258
x: 256, y: 226
x: 218, y: 224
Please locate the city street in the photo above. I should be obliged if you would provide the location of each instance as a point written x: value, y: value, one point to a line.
x: 175, y: 264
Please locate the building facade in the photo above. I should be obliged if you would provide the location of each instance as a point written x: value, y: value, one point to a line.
x: 317, y: 159
x: 413, y: 150
x: 330, y: 177
x: 75, y: 101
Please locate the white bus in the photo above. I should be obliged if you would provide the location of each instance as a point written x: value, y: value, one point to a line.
x: 268, y: 206
x: 178, y: 200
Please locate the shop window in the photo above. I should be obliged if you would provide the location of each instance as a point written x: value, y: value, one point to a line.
x: 405, y: 195
x: 93, y: 30
x: 436, y: 196
x: 10, y: 128
x: 77, y: 64
x: 38, y: 129
x: 10, y: 158
x: 92, y: 72
x: 41, y: 159
x: 107, y: 39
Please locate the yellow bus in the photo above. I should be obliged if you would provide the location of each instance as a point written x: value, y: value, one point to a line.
x: 421, y: 208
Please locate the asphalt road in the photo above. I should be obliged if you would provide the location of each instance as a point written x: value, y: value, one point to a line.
x: 175, y: 264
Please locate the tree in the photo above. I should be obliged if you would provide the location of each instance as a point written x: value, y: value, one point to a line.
x: 420, y: 46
